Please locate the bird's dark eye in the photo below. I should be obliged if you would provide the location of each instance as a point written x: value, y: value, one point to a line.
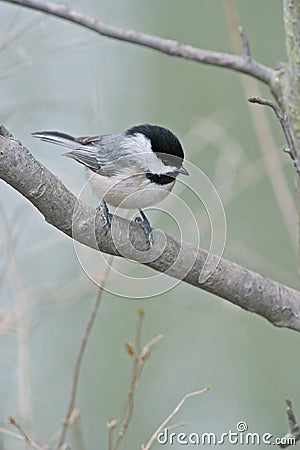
x: 170, y: 160
x: 166, y: 160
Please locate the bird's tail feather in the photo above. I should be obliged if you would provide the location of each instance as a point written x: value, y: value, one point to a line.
x: 56, y: 137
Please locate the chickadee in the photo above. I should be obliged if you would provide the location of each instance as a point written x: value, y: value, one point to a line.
x: 132, y: 170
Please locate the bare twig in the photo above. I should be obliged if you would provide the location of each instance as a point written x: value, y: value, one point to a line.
x: 21, y: 435
x: 293, y: 435
x: 285, y: 128
x: 168, y: 46
x: 13, y: 422
x: 15, y: 435
x: 245, y: 44
x: 139, y: 356
x: 81, y: 351
x: 164, y: 424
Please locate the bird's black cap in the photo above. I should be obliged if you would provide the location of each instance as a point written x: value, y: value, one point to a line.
x: 163, y: 142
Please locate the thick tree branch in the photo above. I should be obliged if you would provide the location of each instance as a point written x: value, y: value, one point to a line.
x: 251, y: 291
x: 291, y: 15
x: 244, y: 63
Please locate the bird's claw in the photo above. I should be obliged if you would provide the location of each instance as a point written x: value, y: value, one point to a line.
x: 141, y: 220
x: 103, y: 209
x: 145, y: 224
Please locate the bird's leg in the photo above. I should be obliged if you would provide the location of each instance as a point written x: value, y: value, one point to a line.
x: 145, y: 224
x: 102, y: 207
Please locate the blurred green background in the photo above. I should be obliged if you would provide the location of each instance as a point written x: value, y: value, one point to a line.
x: 55, y: 75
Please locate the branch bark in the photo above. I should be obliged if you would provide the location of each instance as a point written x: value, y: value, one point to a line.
x: 244, y: 63
x: 251, y: 291
x: 291, y: 10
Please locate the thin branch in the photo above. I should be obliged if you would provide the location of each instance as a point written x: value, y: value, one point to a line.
x: 167, y: 46
x: 164, y: 424
x: 21, y: 435
x: 13, y: 422
x: 285, y: 128
x: 181, y: 260
x: 139, y: 356
x: 245, y: 44
x: 15, y: 435
x: 138, y: 367
x: 80, y: 354
x: 293, y: 435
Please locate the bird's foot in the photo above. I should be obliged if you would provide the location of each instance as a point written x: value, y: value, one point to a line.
x: 103, y: 209
x: 145, y: 224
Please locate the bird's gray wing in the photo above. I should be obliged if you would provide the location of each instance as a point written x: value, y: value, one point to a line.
x: 91, y: 151
x: 85, y: 157
x: 102, y: 154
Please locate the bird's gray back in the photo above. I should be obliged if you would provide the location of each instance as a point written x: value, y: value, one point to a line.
x: 107, y: 154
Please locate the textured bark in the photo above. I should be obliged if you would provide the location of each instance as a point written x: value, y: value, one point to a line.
x: 249, y: 290
x: 292, y: 85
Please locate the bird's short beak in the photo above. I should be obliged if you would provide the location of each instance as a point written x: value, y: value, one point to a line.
x: 183, y: 171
